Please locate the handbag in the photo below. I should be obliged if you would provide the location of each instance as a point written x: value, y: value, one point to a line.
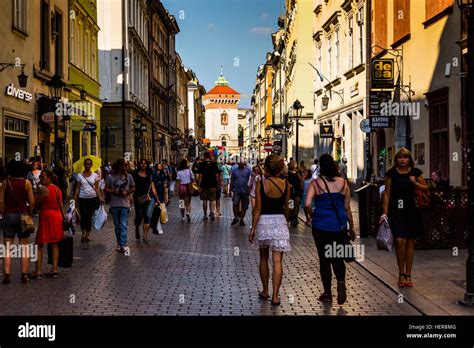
x: 346, y: 235
x: 27, y: 223
x: 193, y: 187
x: 142, y: 200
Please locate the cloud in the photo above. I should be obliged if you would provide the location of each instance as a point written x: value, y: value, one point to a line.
x: 261, y: 30
x: 264, y: 16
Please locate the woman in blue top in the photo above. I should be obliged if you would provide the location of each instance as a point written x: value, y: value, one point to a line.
x: 327, y: 224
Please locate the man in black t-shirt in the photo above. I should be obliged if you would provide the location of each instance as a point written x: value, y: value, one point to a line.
x: 208, y: 181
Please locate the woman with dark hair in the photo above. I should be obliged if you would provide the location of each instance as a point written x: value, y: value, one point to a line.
x: 144, y: 197
x: 400, y: 209
x: 33, y: 175
x: 16, y: 198
x: 332, y: 212
x: 185, y: 177
x: 120, y: 185
x: 50, y: 229
x: 270, y: 224
x: 88, y: 198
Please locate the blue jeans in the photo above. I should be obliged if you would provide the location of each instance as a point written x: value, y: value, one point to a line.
x: 120, y: 215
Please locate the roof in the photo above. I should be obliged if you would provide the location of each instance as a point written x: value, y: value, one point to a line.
x: 222, y: 90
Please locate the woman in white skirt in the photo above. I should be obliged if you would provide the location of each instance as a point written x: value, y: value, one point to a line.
x: 270, y: 224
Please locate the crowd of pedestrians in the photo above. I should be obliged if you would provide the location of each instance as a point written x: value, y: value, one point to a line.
x: 276, y: 190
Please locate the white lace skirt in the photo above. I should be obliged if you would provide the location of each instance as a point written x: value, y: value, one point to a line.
x: 272, y: 232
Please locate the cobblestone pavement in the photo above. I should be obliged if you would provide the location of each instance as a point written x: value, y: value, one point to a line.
x: 192, y: 269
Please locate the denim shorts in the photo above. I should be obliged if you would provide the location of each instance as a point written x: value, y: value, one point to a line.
x: 12, y: 226
x: 144, y: 212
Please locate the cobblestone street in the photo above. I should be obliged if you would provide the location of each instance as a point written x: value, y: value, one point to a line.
x: 192, y: 269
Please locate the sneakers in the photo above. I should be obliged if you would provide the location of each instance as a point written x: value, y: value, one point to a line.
x: 341, y: 292
x: 235, y: 221
x: 205, y: 219
x: 242, y: 223
x: 182, y: 219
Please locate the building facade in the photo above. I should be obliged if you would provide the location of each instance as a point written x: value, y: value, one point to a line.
x: 18, y: 131
x: 49, y: 29
x: 428, y: 121
x: 84, y: 90
x: 339, y: 70
x: 124, y: 78
x: 221, y: 104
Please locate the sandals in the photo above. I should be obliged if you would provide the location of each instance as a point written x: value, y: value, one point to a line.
x: 408, y: 284
x: 262, y: 297
x: 36, y: 276
x: 275, y: 303
x: 52, y: 275
x: 402, y: 284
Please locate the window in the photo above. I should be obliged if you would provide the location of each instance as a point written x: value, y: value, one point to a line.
x: 45, y: 37
x: 94, y: 58
x: 80, y: 52
x: 434, y: 7
x: 330, y: 58
x: 439, y: 139
x: 337, y: 53
x: 19, y: 15
x: 360, y: 39
x: 58, y: 43
x: 350, y: 41
x: 86, y: 51
x: 78, y: 42
x: 72, y: 38
x: 401, y: 19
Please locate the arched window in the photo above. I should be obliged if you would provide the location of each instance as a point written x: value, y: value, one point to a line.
x: 224, y: 119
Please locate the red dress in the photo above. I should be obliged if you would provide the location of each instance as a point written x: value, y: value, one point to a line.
x: 50, y: 229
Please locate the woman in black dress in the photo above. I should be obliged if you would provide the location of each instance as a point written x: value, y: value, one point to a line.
x: 400, y: 209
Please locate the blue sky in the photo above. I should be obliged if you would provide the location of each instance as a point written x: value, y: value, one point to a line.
x: 228, y: 33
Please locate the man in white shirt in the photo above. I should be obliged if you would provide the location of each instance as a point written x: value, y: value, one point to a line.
x: 315, y: 169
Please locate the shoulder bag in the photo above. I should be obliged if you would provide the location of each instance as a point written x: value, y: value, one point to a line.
x: 142, y: 200
x: 27, y: 224
x: 346, y: 235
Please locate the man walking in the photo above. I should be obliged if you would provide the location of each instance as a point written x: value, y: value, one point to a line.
x: 241, y: 195
x: 208, y: 180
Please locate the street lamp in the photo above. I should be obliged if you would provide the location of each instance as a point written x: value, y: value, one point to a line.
x: 22, y: 78
x: 468, y: 7
x: 298, y: 111
x: 56, y: 88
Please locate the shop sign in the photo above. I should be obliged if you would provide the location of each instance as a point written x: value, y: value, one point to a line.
x: 376, y: 99
x: 326, y: 131
x: 383, y: 73
x: 90, y: 127
x: 381, y: 121
x: 48, y: 117
x: 365, y: 125
x: 76, y: 125
x: 12, y: 91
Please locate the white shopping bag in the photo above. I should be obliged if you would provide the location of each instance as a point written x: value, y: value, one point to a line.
x: 100, y: 218
x: 385, y: 237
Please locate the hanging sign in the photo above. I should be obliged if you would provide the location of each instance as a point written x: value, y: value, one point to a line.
x: 90, y: 127
x: 326, y: 131
x: 383, y: 73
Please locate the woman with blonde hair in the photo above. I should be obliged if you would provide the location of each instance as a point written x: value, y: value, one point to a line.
x: 399, y: 207
x: 270, y: 224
